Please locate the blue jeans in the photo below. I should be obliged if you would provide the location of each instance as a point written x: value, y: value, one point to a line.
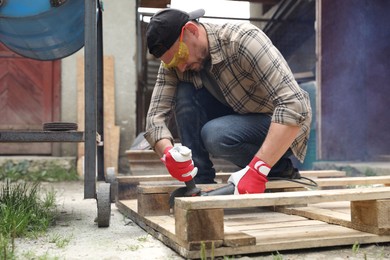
x: 208, y: 127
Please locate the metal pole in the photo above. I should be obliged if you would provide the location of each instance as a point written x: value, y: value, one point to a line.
x: 100, y: 95
x: 90, y: 56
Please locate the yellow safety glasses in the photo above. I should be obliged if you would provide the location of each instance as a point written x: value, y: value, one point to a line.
x: 181, y: 56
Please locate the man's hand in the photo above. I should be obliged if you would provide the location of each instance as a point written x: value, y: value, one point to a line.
x: 178, y: 161
x: 252, y: 178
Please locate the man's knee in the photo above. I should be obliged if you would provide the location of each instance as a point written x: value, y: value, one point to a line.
x: 212, y: 135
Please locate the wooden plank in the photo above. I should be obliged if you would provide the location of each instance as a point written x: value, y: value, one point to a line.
x: 224, y: 176
x: 154, y: 184
x: 332, y: 182
x: 248, y: 227
x: 322, y: 173
x: 282, y: 198
x: 338, y: 206
x: 80, y: 113
x: 109, y: 91
x: 316, y: 213
x: 349, y: 181
x: 291, y: 233
x: 236, y: 239
x: 254, y: 218
x: 154, y: 3
x: 111, y: 147
x: 127, y: 185
x: 322, y: 182
x: 344, y: 237
x: 325, y: 182
x: 158, y: 187
x: 328, y: 235
x: 111, y: 131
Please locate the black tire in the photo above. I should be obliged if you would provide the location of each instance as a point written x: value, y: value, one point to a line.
x: 103, y: 198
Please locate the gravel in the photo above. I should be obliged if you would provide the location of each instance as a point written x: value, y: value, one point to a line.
x: 77, y: 236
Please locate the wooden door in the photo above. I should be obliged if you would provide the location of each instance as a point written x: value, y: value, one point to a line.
x: 29, y: 97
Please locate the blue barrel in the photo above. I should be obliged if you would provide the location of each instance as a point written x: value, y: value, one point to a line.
x: 42, y: 29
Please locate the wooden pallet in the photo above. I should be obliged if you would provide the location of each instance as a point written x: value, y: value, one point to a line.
x: 275, y: 221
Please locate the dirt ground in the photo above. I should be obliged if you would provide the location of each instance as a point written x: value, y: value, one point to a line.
x: 77, y: 236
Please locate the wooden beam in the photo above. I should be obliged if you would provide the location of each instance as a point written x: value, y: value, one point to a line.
x: 128, y: 185
x: 281, y: 198
x: 111, y: 131
x: 155, y: 3
x: 190, y: 225
x: 371, y: 216
x: 224, y: 176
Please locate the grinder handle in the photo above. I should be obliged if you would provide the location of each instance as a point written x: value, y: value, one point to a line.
x: 192, y: 190
x: 224, y: 190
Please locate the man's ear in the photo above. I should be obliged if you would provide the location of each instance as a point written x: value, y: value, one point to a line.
x: 192, y: 28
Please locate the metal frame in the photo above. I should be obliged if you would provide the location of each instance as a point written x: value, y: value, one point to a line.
x: 94, y: 150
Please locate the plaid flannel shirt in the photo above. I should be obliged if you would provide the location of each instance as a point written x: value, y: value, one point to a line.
x: 252, y: 75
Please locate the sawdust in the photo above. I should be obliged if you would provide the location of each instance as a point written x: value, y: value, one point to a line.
x: 77, y: 236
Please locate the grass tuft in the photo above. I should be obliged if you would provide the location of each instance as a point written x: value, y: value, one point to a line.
x: 23, y: 213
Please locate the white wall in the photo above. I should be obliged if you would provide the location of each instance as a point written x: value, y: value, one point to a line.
x: 119, y: 41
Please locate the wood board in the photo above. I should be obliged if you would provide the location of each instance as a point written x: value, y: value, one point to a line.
x: 258, y: 223
x: 128, y: 185
x: 111, y: 132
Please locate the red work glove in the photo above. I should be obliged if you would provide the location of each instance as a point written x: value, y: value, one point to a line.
x: 252, y: 178
x: 178, y: 161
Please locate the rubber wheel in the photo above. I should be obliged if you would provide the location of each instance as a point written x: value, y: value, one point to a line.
x: 103, y: 204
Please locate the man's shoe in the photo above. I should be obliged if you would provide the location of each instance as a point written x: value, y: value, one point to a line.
x: 289, y: 172
x: 292, y: 173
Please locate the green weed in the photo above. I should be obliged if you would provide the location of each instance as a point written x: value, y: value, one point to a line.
x: 23, y: 213
x: 355, y: 247
x: 61, y: 242
x: 133, y: 247
x: 278, y: 256
x: 143, y: 238
x: 203, y: 253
